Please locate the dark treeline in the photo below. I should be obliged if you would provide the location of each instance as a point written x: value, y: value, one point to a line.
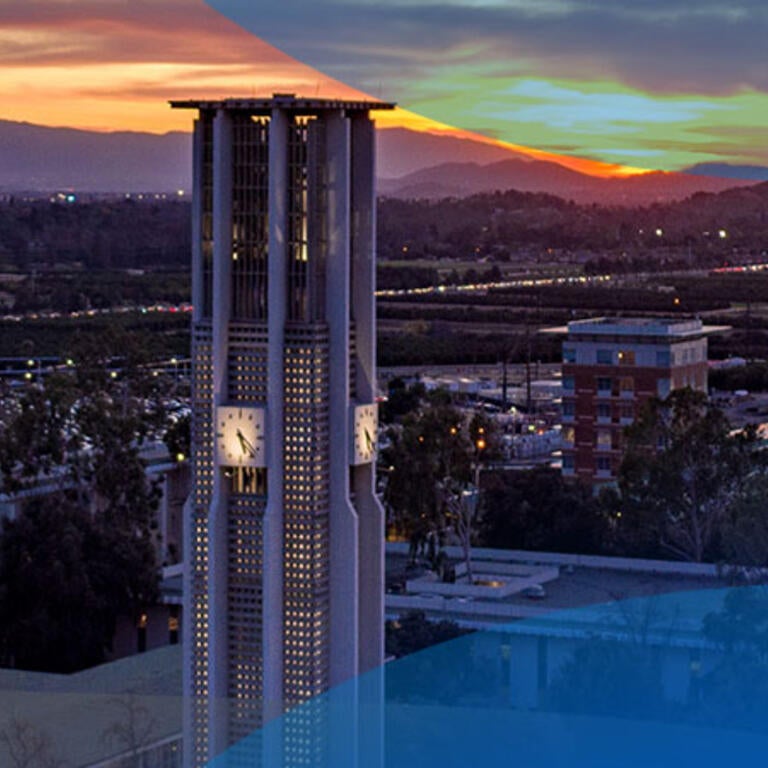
x: 96, y: 235
x: 98, y: 289
x: 162, y: 334
x: 436, y: 345
x: 605, y: 298
x: 140, y: 234
x: 501, y: 224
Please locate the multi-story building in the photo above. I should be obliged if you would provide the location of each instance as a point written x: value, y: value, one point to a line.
x: 611, y: 366
x: 284, y: 580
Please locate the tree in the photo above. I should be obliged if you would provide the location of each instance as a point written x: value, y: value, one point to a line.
x: 433, y: 463
x: 461, y: 505
x: 428, y: 446
x: 27, y: 746
x: 745, y: 528
x: 82, y: 551
x: 414, y: 632
x: 178, y: 437
x: 733, y: 691
x: 681, y: 475
x: 538, y: 510
x: 65, y: 577
x: 133, y: 731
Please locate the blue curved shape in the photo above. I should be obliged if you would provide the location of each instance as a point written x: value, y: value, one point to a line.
x: 677, y: 679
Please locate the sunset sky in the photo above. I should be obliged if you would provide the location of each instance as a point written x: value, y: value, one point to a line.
x: 645, y: 83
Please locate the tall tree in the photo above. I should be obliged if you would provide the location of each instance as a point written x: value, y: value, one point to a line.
x: 432, y: 465
x: 537, y: 510
x: 63, y: 582
x: 682, y: 472
x: 82, y: 551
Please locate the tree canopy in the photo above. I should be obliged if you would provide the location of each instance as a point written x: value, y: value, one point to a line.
x: 684, y: 473
x: 82, y: 550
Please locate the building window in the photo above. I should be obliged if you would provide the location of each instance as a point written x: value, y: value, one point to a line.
x: 568, y: 462
x: 663, y: 387
x: 603, y: 384
x: 627, y: 412
x: 604, y: 357
x: 569, y: 383
x: 141, y: 633
x: 569, y: 355
x: 603, y: 410
x: 663, y: 358
x: 627, y: 384
x: 603, y: 463
x: 569, y: 434
x: 627, y: 357
x: 173, y: 625
x: 569, y: 408
x: 603, y: 438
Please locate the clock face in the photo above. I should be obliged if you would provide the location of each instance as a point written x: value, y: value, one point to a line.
x: 365, y: 428
x: 240, y: 436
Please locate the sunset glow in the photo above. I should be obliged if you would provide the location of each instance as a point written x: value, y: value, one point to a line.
x: 107, y: 65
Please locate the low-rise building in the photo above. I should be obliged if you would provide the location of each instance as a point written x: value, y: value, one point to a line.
x: 611, y: 367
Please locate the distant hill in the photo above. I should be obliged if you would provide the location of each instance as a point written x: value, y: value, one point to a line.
x: 400, y: 151
x: 410, y: 165
x: 38, y: 158
x: 462, y: 179
x: 746, y: 172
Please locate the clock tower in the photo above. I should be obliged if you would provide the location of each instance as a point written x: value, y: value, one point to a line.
x: 284, y: 534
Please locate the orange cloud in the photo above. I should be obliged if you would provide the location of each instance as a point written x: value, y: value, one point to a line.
x: 112, y: 65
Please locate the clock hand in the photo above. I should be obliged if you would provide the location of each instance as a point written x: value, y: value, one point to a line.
x: 368, y: 439
x: 246, y: 445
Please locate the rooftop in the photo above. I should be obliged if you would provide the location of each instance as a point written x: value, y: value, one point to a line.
x: 581, y: 581
x: 288, y: 101
x: 668, y: 327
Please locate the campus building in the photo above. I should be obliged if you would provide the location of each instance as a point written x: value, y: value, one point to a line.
x: 611, y: 366
x: 284, y: 539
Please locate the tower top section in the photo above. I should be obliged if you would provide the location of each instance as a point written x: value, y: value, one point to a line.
x: 286, y: 101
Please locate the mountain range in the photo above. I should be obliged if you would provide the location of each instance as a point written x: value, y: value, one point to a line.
x: 36, y: 158
x: 525, y: 175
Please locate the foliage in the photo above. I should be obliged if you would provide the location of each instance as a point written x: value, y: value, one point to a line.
x: 432, y: 447
x: 426, y: 447
x: 745, y: 529
x: 178, y: 437
x: 435, y: 345
x: 493, y: 224
x: 81, y: 551
x: 413, y: 632
x: 64, y: 578
x: 71, y: 291
x: 738, y: 683
x: 537, y: 510
x: 609, y: 678
x: 159, y: 334
x: 401, y: 400
x: 752, y: 377
x: 97, y: 235
x: 681, y: 476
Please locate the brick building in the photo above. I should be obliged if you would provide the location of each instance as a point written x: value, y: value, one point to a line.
x: 611, y: 366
